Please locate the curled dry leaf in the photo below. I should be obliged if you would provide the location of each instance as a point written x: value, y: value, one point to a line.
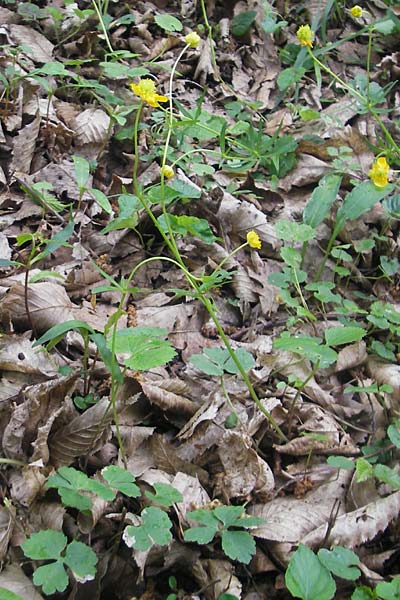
x: 357, y: 527
x: 84, y: 434
x: 161, y: 393
x: 48, y: 305
x: 7, y: 521
x: 17, y: 355
x: 244, y: 471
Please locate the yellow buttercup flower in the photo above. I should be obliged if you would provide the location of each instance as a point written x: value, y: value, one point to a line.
x: 146, y: 90
x: 379, y: 172
x: 356, y: 11
x: 305, y: 35
x: 253, y: 240
x: 192, y: 39
x: 167, y: 171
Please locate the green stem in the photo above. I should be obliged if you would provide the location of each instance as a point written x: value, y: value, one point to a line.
x: 100, y: 17
x: 362, y: 98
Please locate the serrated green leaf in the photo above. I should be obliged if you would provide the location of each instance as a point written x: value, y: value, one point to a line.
x: 144, y: 346
x: 52, y: 578
x: 81, y: 560
x: 74, y: 499
x: 121, y: 480
x: 337, y: 336
x: 185, y: 224
x: 294, y: 232
x: 206, y: 532
x: 155, y: 529
x: 166, y: 494
x: 322, y: 199
x: 242, y: 22
x: 340, y: 561
x: 238, y: 545
x: 307, y: 578
x: 364, y: 470
x: 229, y: 515
x: 44, y: 545
x: 168, y: 22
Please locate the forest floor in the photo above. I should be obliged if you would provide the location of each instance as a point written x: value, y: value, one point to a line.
x: 199, y: 300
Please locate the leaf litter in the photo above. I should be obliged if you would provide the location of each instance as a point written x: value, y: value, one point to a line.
x: 333, y: 481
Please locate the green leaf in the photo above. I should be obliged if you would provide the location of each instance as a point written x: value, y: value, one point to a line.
x: 52, y: 578
x: 206, y: 365
x: 340, y: 561
x: 145, y: 347
x: 293, y: 232
x: 340, y: 462
x: 389, y: 590
x: 393, y: 433
x: 291, y: 256
x: 168, y: 22
x: 238, y: 545
x: 81, y: 560
x: 185, y: 224
x: 59, y: 330
x: 206, y: 532
x: 364, y: 470
x: 389, y: 266
x: 121, y: 480
x: 307, y: 347
x: 101, y: 200
x: 307, y: 578
x: 155, y: 529
x: 185, y: 190
x: 74, y: 499
x: 82, y: 171
x: 246, y: 359
x: 337, y: 336
x: 288, y: 76
x: 7, y: 595
x: 242, y: 22
x: 322, y: 199
x: 363, y: 593
x: 107, y: 356
x: 387, y: 475
x: 69, y: 482
x: 44, y: 545
x: 166, y: 494
x: 360, y: 199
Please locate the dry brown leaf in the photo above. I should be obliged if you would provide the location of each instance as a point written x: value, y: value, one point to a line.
x: 222, y: 572
x: 36, y: 46
x: 244, y: 472
x: 17, y: 354
x: 357, y: 527
x: 13, y: 578
x: 48, y: 305
x: 163, y: 395
x: 24, y: 147
x: 84, y: 434
x: 351, y: 356
x: 7, y: 522
x: 289, y: 519
x: 167, y: 459
x: 386, y: 373
x: 26, y: 485
x: 92, y: 127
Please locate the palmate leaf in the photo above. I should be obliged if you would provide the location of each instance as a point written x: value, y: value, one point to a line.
x: 145, y: 346
x: 52, y: 578
x: 121, y: 480
x: 44, y: 545
x: 155, y: 529
x: 238, y: 545
x: 166, y: 494
x: 81, y: 560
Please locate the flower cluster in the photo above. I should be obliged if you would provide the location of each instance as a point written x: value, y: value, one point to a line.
x: 253, y: 240
x: 192, y: 39
x: 146, y: 90
x: 356, y: 11
x: 379, y: 172
x: 305, y: 35
x: 167, y: 171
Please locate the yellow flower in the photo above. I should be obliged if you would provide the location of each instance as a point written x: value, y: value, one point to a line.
x: 192, y: 39
x: 356, y: 11
x: 305, y: 35
x: 379, y: 172
x: 253, y: 240
x: 146, y: 90
x: 167, y: 171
